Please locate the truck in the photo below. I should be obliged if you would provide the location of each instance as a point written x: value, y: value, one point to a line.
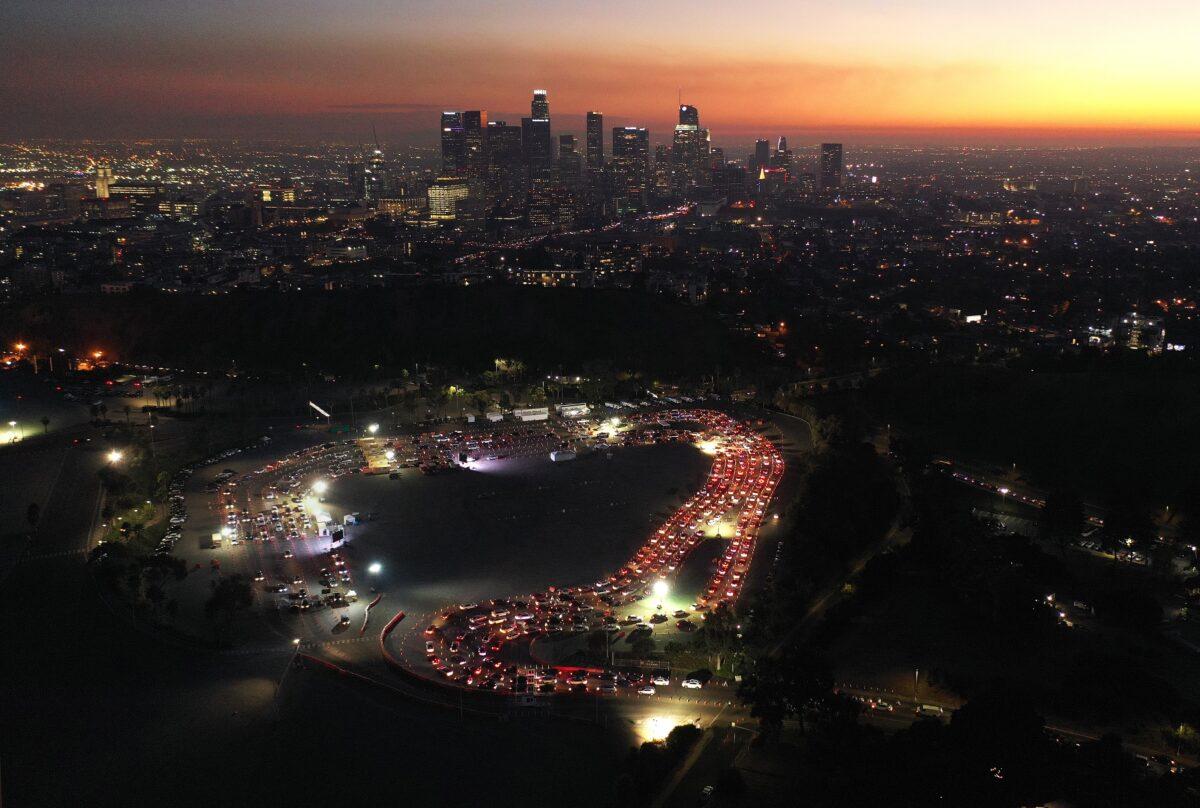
x: 215, y: 540
x: 562, y: 455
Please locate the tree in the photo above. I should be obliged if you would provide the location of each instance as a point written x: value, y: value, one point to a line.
x: 1061, y: 520
x: 784, y: 686
x: 230, y: 596
x: 719, y: 636
x: 643, y: 645
x: 45, y: 423
x: 1128, y: 516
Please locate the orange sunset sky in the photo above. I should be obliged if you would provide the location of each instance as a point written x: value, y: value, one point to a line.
x: 1086, y: 70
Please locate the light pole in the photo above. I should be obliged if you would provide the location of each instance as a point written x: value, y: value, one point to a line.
x: 660, y: 591
x: 290, y: 665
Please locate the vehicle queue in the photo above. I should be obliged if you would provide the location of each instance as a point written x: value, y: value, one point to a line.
x: 467, y: 644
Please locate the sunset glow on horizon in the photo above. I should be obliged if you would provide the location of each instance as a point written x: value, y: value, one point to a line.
x: 766, y: 68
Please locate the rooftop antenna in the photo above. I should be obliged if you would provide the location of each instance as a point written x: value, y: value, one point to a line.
x: 375, y: 135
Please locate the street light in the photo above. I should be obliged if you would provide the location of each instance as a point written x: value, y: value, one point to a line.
x: 390, y: 455
x: 320, y: 486
x: 373, y: 428
x: 375, y: 568
x: 115, y: 456
x: 660, y: 591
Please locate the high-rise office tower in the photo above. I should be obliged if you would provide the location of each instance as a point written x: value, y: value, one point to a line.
x: 762, y: 155
x: 570, y: 161
x: 376, y: 182
x: 630, y: 165
x: 829, y: 173
x: 664, y: 169
x: 783, y: 156
x: 474, y: 124
x: 537, y: 148
x: 104, y: 178
x: 595, y: 140
x: 445, y: 196
x: 356, y: 174
x: 506, y: 169
x: 454, y: 145
x: 540, y: 107
x: 689, y: 151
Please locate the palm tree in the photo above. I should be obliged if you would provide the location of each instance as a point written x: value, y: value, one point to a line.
x: 127, y: 410
x: 45, y: 423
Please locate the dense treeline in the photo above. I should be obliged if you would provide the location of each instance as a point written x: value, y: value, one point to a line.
x: 354, y: 331
x: 1123, y: 424
x: 968, y: 603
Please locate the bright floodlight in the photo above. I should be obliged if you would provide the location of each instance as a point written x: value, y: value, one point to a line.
x: 320, y: 486
x: 227, y: 531
x: 390, y: 455
x: 661, y: 588
x: 115, y: 456
x: 373, y: 428
x: 375, y: 568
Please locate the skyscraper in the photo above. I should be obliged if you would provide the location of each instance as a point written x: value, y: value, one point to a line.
x: 356, y: 175
x: 454, y: 145
x: 631, y: 165
x: 689, y: 151
x: 376, y: 182
x: 537, y: 147
x: 570, y: 161
x: 540, y: 107
x: 762, y: 155
x: 474, y: 124
x: 829, y: 173
x: 506, y: 171
x: 595, y: 140
x: 104, y: 178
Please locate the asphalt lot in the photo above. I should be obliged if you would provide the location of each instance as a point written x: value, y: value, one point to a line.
x: 134, y: 719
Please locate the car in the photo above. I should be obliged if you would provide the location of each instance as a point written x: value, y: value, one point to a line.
x: 429, y: 647
x: 258, y: 576
x: 288, y: 554
x: 660, y: 680
x: 646, y: 690
x: 691, y: 684
x: 344, y: 620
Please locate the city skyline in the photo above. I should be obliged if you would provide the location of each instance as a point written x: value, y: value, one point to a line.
x: 856, y: 72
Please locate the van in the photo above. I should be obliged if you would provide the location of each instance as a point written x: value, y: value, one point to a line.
x: 931, y: 710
